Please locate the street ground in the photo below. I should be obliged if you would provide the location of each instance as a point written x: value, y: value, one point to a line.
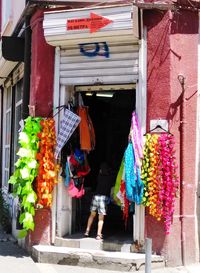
x: 17, y: 260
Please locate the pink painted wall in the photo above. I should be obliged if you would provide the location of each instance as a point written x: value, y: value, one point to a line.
x: 184, y: 60
x: 172, y: 49
x: 42, y: 69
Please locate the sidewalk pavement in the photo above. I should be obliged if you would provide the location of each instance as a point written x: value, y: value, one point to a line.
x: 52, y: 268
x: 14, y: 258
x: 195, y: 268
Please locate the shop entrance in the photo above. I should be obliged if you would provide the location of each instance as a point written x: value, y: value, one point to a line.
x: 110, y: 112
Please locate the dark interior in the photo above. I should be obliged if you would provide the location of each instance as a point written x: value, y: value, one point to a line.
x: 111, y: 117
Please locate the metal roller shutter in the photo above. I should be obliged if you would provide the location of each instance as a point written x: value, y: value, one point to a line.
x: 121, y: 67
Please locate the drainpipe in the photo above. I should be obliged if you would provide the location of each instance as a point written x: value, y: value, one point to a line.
x: 27, y: 68
x: 181, y: 79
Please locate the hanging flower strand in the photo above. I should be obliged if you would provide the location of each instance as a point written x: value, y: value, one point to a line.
x: 150, y: 176
x: 170, y: 180
x: 153, y: 185
x: 47, y: 173
x: 144, y: 171
x: 159, y: 176
x: 25, y: 173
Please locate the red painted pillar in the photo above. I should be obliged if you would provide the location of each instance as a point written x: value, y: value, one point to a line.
x: 158, y: 98
x: 172, y: 41
x: 42, y: 68
x: 41, y: 96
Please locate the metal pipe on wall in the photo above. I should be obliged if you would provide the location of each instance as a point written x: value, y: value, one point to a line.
x: 181, y: 79
x: 27, y: 69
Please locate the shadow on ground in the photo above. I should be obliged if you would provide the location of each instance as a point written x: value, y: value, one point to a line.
x: 12, y: 249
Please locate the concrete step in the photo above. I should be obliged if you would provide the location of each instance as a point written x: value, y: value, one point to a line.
x: 120, y: 261
x: 92, y: 243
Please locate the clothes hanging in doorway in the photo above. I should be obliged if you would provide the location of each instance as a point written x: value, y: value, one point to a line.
x: 86, y: 130
x: 68, y: 126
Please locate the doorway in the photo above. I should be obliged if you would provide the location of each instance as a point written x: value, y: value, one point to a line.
x: 110, y: 112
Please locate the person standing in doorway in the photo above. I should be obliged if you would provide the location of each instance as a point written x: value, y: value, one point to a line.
x: 105, y: 181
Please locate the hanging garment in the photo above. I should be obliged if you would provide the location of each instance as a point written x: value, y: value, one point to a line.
x: 121, y: 195
x: 76, y: 188
x: 68, y: 125
x: 68, y: 174
x: 117, y: 184
x: 136, y: 139
x: 134, y: 184
x: 87, y: 134
x: 76, y: 169
x: 78, y: 164
x: 125, y: 204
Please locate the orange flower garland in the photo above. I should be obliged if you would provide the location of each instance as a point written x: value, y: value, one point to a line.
x: 47, y: 172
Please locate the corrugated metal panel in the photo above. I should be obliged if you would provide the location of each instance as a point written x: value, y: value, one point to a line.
x: 124, y: 25
x: 120, y: 67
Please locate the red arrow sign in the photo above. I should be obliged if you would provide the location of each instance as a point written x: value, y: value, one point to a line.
x: 94, y: 23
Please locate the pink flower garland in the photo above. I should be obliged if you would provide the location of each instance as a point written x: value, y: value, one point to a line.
x: 169, y: 182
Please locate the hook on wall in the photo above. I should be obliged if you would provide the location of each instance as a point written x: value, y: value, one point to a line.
x: 181, y: 79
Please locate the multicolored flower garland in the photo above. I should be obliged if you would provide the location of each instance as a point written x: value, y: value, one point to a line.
x: 151, y: 177
x: 159, y: 177
x: 47, y: 173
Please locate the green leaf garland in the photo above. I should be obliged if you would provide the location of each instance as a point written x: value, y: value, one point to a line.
x: 25, y: 173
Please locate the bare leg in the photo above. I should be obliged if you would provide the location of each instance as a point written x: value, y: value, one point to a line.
x: 90, y: 221
x: 100, y: 225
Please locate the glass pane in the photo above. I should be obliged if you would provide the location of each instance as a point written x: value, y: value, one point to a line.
x: 8, y: 127
x: 18, y: 90
x: 6, y: 177
x: 8, y: 98
x: 7, y: 157
x: 18, y: 112
x: 16, y: 132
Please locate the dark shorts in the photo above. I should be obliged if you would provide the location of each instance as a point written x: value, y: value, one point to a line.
x: 99, y: 203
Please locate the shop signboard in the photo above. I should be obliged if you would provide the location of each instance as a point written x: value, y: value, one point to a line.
x: 94, y: 23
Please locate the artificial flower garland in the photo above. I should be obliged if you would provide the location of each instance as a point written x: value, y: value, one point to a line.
x: 159, y: 177
x: 47, y: 172
x: 36, y: 160
x: 150, y: 176
x: 25, y: 173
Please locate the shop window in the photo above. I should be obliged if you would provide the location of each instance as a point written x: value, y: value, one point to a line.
x: 18, y: 114
x: 7, y: 133
x: 12, y: 117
